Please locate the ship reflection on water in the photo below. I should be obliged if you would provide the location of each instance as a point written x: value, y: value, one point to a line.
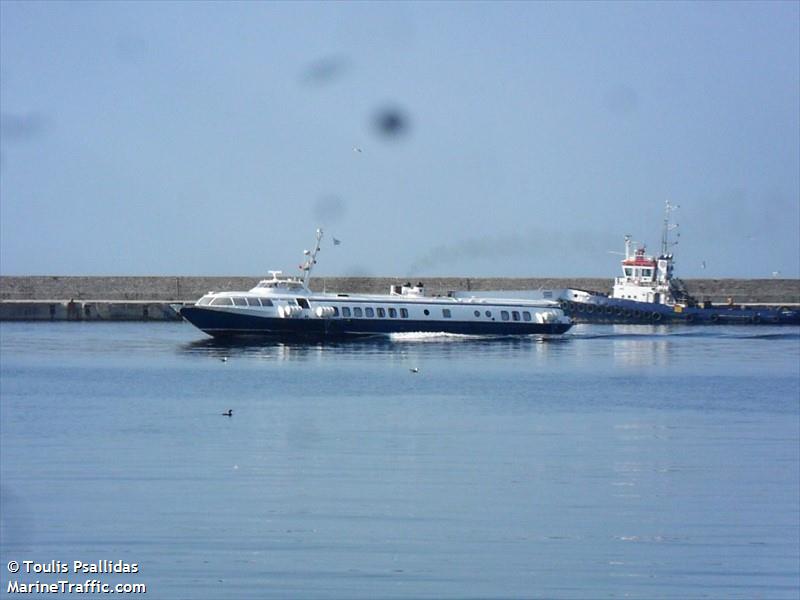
x: 442, y: 345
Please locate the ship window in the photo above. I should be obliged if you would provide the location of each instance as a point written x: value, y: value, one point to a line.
x: 381, y: 312
x: 628, y: 272
x: 239, y: 301
x: 427, y: 312
x: 446, y: 313
x: 303, y: 302
x: 335, y: 311
x: 526, y: 316
x: 393, y: 313
x: 253, y: 302
x: 369, y: 312
x: 477, y: 313
x: 647, y: 272
x: 504, y: 315
x: 222, y: 301
x: 204, y: 300
x: 489, y: 314
x: 404, y: 313
x: 266, y: 302
x: 345, y: 311
x: 357, y: 312
x: 515, y: 315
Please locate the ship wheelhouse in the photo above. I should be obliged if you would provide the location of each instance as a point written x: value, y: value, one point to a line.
x: 640, y: 269
x: 644, y: 278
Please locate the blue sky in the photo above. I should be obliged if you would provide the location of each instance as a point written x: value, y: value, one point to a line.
x: 208, y: 139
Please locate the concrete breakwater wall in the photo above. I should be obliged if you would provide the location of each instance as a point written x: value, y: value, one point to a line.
x: 150, y: 298
x: 86, y: 310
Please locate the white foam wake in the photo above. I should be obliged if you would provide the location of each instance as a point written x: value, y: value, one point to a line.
x: 424, y: 336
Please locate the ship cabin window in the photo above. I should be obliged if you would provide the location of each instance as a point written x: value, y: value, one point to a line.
x: 357, y: 312
x: 446, y: 313
x: 335, y: 311
x: 265, y: 302
x: 393, y: 313
x: 303, y: 303
x: 381, y: 312
x: 515, y: 315
x: 628, y: 272
x: 345, y: 311
x: 369, y: 312
x: 504, y: 315
x: 239, y: 301
x: 204, y: 300
x: 222, y: 301
x: 477, y: 313
x: 489, y: 314
x: 253, y: 302
x: 404, y: 313
x: 526, y: 316
x: 427, y: 312
x: 648, y: 273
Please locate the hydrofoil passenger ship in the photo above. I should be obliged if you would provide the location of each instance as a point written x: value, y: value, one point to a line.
x: 285, y: 307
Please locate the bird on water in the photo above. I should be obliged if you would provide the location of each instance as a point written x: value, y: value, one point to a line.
x: 414, y: 370
x: 228, y: 413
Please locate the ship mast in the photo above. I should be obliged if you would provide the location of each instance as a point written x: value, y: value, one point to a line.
x: 311, y: 259
x: 668, y: 208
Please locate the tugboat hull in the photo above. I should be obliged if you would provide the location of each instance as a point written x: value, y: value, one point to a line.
x: 602, y: 309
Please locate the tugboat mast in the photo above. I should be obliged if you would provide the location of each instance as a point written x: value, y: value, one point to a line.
x: 668, y: 208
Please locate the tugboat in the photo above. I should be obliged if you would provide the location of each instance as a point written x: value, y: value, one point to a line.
x: 647, y: 292
x: 285, y: 307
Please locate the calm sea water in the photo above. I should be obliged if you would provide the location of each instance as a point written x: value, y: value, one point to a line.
x: 615, y: 462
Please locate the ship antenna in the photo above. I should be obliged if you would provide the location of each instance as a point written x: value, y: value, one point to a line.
x: 311, y: 259
x: 628, y: 242
x: 665, y: 245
